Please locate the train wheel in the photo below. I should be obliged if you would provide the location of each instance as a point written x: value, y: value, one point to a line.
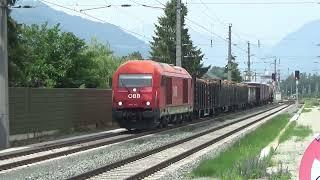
x: 166, y: 121
x: 163, y: 122
x: 189, y: 117
x: 160, y: 125
x: 180, y: 118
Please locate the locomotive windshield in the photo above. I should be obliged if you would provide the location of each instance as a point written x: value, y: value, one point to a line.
x: 135, y: 80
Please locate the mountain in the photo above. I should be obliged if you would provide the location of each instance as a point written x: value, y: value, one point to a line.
x: 121, y: 42
x: 299, y: 50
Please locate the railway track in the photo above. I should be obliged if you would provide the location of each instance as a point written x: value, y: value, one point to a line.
x: 147, y: 163
x: 19, y: 158
x: 60, y: 144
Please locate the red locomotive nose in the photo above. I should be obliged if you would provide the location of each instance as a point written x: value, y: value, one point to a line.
x: 133, y: 98
x: 133, y: 91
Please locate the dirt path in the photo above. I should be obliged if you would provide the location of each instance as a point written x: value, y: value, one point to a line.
x: 290, y: 152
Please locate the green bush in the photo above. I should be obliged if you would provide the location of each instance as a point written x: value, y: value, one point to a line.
x: 243, y: 153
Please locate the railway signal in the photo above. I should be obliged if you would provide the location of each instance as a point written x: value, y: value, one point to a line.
x: 297, y: 75
x: 273, y: 76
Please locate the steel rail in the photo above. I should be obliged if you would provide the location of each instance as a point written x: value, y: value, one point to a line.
x: 107, y: 142
x: 70, y: 142
x: 120, y: 163
x: 175, y: 159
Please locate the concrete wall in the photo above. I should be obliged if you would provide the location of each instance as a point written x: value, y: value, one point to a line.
x: 39, y: 109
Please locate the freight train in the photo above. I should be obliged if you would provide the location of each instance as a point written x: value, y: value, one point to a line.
x: 149, y: 94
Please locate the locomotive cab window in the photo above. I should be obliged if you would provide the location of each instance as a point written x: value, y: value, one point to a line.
x: 135, y: 80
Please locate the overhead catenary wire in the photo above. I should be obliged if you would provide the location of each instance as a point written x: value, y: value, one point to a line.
x: 217, y: 35
x: 135, y: 33
x: 96, y: 18
x: 222, y: 22
x: 146, y: 5
x: 212, y: 3
x: 217, y: 18
x: 257, y: 3
x: 160, y: 2
x: 205, y: 36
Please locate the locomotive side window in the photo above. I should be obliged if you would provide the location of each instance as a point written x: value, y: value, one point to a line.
x: 169, y: 90
x: 185, y: 90
x: 135, y: 80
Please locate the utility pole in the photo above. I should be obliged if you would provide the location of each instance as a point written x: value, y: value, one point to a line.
x: 317, y: 89
x: 229, y: 54
x: 255, y: 76
x: 291, y: 90
x: 275, y: 68
x: 249, y: 63
x: 275, y: 81
x: 178, y: 35
x: 4, y: 100
x: 287, y: 93
x: 279, y: 85
x: 297, y: 92
x: 309, y: 88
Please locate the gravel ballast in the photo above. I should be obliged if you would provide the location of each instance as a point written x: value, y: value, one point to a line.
x: 70, y: 165
x: 183, y: 168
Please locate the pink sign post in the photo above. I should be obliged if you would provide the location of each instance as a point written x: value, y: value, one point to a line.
x: 310, y: 163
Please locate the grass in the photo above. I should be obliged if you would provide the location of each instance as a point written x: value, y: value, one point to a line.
x: 242, y: 156
x: 282, y: 174
x: 310, y: 103
x: 298, y: 131
x: 305, y: 110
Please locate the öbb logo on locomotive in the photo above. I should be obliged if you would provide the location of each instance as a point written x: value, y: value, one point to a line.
x: 134, y: 96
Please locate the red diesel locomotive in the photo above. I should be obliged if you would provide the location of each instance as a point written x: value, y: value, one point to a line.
x: 148, y: 94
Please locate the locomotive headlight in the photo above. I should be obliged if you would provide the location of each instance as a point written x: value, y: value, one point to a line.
x: 148, y: 103
x: 120, y: 103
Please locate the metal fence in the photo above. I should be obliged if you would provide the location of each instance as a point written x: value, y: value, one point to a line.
x: 37, y: 109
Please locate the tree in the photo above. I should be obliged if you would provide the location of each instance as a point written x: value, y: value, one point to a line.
x: 133, y: 56
x: 217, y: 72
x: 47, y: 57
x: 105, y: 62
x: 50, y: 57
x: 309, y: 85
x: 43, y: 56
x: 163, y: 46
x: 16, y: 51
x: 235, y: 72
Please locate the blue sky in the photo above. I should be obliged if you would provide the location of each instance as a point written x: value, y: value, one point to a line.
x: 268, y: 23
